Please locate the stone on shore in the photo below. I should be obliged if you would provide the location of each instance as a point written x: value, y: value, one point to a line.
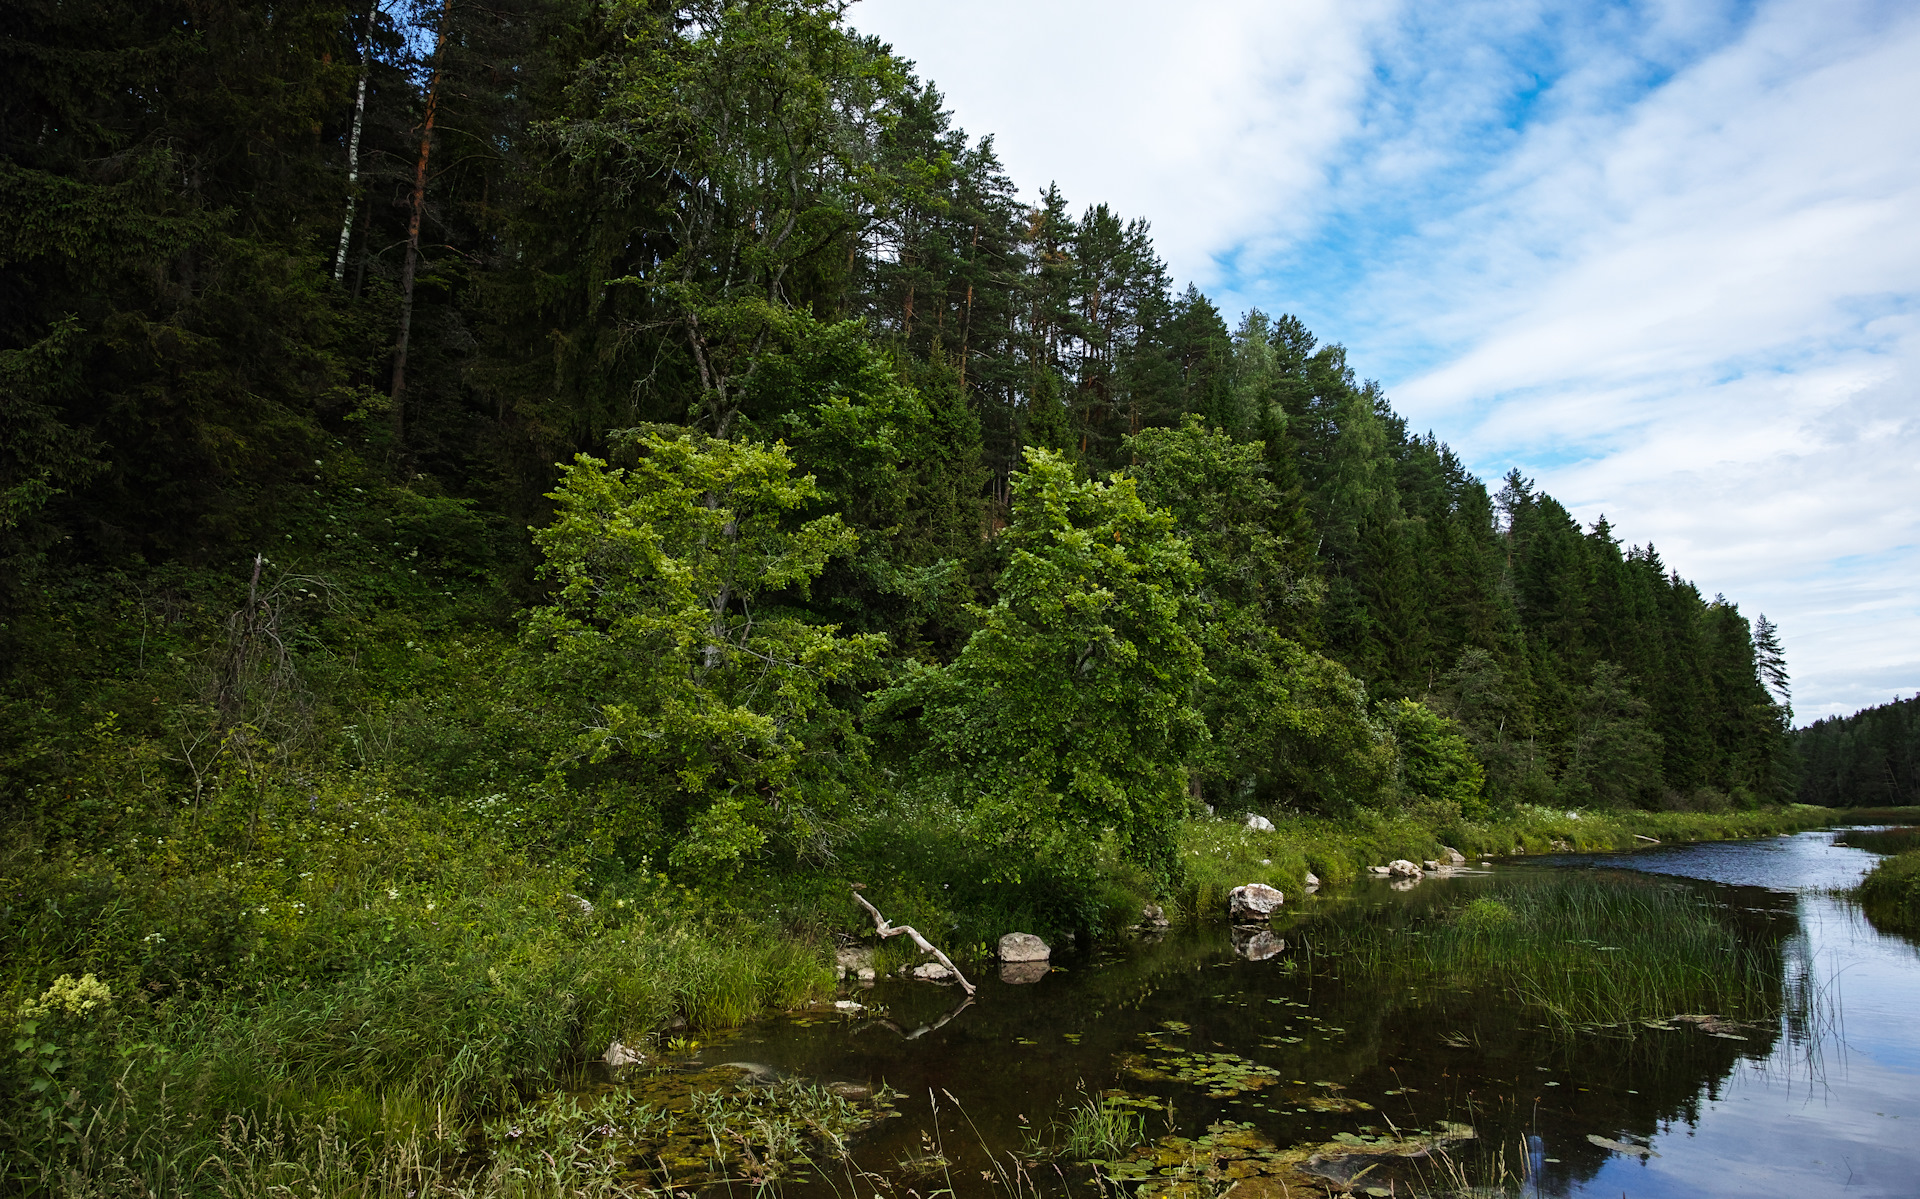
x: 1259, y: 823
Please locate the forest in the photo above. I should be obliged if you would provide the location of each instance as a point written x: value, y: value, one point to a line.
x: 1868, y: 759
x: 642, y: 449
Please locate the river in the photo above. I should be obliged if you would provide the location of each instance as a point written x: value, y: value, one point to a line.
x: 1227, y: 1063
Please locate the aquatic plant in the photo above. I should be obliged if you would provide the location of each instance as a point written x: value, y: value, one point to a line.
x: 1103, y: 1126
x: 1584, y: 952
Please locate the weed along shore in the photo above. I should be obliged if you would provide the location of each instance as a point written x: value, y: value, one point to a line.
x: 496, y: 1026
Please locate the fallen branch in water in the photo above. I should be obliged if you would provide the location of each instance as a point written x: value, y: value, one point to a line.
x: 881, y: 926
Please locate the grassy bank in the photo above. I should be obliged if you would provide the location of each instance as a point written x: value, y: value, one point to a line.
x: 1222, y: 853
x: 1891, y: 891
x: 339, y: 984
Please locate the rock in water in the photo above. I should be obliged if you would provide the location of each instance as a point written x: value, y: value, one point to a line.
x: 1023, y: 947
x: 1253, y: 903
x: 930, y: 972
x: 1453, y: 856
x: 1022, y: 973
x: 1401, y: 868
x: 618, y: 1055
x: 1313, y: 880
x: 1259, y: 823
x: 1153, y: 916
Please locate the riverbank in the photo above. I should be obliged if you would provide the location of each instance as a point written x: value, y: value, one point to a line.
x: 1223, y: 853
x: 369, y: 972
x: 1890, y: 894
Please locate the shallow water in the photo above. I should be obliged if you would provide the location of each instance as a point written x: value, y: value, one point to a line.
x: 1825, y: 1100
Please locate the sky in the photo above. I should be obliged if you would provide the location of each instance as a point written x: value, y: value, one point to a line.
x: 1664, y: 258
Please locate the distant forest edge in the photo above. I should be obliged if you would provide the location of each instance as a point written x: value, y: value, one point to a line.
x: 876, y: 479
x: 1868, y: 759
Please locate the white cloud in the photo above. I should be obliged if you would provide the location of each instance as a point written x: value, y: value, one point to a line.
x: 1713, y: 313
x: 1210, y: 119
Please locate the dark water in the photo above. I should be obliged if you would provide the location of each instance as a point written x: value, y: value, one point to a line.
x: 1824, y: 1101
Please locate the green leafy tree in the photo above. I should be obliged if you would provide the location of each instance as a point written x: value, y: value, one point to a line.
x: 1069, y: 716
x: 1437, y: 765
x: 763, y: 114
x: 703, y: 713
x: 1289, y: 726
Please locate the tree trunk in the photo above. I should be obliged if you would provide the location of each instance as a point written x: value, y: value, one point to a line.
x: 399, y: 394
x: 353, y: 147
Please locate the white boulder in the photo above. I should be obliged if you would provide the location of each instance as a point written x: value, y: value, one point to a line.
x: 1023, y: 947
x: 1253, y: 903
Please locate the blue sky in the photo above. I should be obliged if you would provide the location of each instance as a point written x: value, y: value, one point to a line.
x: 1664, y: 257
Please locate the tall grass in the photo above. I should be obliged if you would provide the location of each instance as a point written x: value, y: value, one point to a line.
x: 1581, y: 952
x: 1881, y: 840
x: 1890, y: 893
x: 362, y: 973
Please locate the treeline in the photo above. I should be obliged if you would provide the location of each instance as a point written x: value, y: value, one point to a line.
x: 1870, y: 759
x: 887, y: 484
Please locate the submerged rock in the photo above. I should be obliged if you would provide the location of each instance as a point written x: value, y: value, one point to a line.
x: 1259, y: 823
x: 1023, y: 947
x: 1253, y: 903
x: 1621, y: 1146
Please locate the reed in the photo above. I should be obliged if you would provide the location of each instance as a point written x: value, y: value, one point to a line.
x: 1881, y: 840
x: 1581, y: 952
x: 1890, y: 893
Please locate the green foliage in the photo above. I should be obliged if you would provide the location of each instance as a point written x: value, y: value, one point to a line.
x: 1069, y: 715
x: 707, y: 708
x: 1437, y: 765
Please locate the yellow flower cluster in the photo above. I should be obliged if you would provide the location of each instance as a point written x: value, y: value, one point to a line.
x: 74, y: 996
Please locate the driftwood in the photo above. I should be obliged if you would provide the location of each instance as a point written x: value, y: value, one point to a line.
x: 881, y: 926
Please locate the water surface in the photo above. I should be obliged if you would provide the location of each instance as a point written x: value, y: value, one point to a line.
x: 1825, y: 1099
